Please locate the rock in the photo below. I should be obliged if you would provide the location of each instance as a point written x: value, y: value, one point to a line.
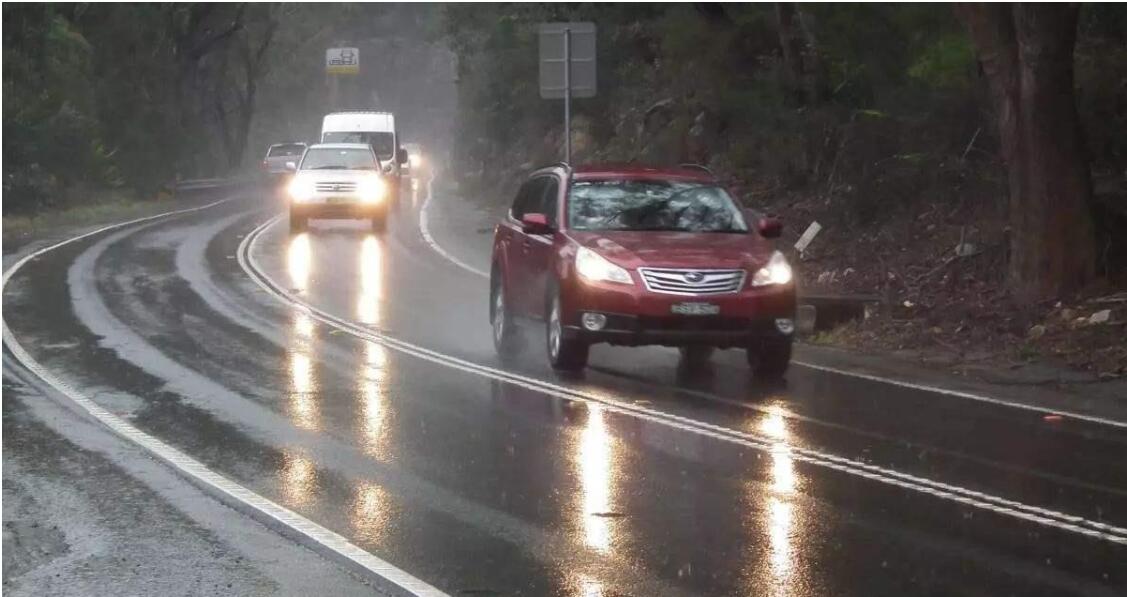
x: 966, y: 249
x: 1067, y: 314
x: 1100, y: 316
x: 1036, y: 332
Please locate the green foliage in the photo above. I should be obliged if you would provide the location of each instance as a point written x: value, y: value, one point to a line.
x: 948, y: 63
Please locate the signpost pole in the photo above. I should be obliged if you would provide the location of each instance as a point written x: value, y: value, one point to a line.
x: 567, y: 94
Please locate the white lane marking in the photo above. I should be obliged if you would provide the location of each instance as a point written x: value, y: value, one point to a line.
x: 866, y: 376
x: 424, y: 227
x: 280, y: 519
x: 965, y: 395
x: 962, y: 495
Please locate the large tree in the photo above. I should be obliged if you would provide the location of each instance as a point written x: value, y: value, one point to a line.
x: 1026, y: 54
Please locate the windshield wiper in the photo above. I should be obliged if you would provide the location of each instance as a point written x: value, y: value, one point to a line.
x: 328, y: 168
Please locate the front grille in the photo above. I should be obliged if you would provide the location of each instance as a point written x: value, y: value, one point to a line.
x: 692, y: 282
x: 336, y: 187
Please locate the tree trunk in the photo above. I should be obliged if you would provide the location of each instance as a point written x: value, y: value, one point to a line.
x: 792, y: 51
x: 1026, y: 54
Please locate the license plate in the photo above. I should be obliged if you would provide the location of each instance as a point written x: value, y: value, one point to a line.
x: 338, y: 200
x: 695, y: 309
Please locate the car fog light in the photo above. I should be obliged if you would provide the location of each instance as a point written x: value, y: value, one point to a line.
x: 785, y: 326
x: 594, y: 321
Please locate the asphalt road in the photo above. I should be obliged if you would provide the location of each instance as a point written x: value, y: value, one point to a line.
x: 350, y: 378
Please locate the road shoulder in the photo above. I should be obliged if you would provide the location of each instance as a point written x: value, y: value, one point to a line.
x: 87, y: 513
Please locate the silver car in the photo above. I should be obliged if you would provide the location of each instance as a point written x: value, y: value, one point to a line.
x: 338, y: 181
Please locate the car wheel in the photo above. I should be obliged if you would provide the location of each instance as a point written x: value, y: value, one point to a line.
x: 298, y: 223
x: 565, y: 354
x: 506, y: 335
x: 696, y: 356
x: 770, y: 359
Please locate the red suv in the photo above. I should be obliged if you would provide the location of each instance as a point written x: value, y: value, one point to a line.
x: 632, y: 255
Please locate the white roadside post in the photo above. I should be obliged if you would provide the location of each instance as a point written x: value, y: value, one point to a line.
x: 567, y: 67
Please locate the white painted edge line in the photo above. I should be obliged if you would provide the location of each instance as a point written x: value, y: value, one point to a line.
x: 424, y: 228
x: 286, y: 522
x: 962, y: 495
x: 866, y: 376
x: 965, y: 395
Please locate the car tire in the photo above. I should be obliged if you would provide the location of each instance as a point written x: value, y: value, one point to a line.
x: 298, y: 223
x: 770, y: 359
x: 695, y: 357
x: 564, y: 354
x: 506, y: 334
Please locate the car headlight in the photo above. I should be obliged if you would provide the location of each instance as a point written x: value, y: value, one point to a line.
x: 596, y: 268
x: 371, y: 189
x: 301, y: 189
x: 777, y: 271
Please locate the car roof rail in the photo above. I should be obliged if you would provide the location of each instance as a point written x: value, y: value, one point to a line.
x: 690, y: 166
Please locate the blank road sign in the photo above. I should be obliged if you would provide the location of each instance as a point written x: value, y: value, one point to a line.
x: 552, y: 59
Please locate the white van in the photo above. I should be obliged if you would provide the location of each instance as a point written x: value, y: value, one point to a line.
x: 377, y: 129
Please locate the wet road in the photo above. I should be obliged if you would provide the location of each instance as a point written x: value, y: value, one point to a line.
x: 350, y: 377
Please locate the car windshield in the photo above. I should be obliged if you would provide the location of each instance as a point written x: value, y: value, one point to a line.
x: 325, y: 158
x: 289, y: 150
x: 382, y: 143
x: 652, y: 205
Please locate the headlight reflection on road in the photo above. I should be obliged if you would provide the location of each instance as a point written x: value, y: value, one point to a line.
x: 370, y: 513
x: 299, y: 261
x: 371, y: 281
x: 595, y: 461
x: 778, y: 507
x: 298, y: 478
x: 374, y: 404
x: 303, y: 407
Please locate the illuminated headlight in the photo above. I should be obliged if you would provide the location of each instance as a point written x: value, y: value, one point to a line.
x: 594, y: 267
x: 301, y: 189
x: 415, y: 160
x: 777, y: 271
x: 371, y: 189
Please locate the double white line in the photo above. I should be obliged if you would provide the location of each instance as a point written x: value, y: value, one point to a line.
x: 962, y: 495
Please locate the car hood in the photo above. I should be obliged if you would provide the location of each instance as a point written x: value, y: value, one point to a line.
x: 335, y: 175
x: 678, y: 249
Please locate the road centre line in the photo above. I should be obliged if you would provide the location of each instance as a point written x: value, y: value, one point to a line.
x: 962, y: 495
x: 284, y: 521
x: 430, y: 240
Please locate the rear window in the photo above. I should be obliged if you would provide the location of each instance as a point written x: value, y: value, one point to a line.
x: 289, y: 150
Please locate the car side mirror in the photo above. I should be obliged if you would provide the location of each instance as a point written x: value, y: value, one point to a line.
x: 535, y: 224
x: 291, y: 167
x: 401, y: 156
x: 770, y: 227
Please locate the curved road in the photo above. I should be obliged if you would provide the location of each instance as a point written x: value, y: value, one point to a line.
x: 350, y: 378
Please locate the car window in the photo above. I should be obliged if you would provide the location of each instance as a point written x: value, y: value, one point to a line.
x: 550, y: 199
x: 652, y: 205
x: 529, y: 197
x: 288, y: 150
x: 325, y: 158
